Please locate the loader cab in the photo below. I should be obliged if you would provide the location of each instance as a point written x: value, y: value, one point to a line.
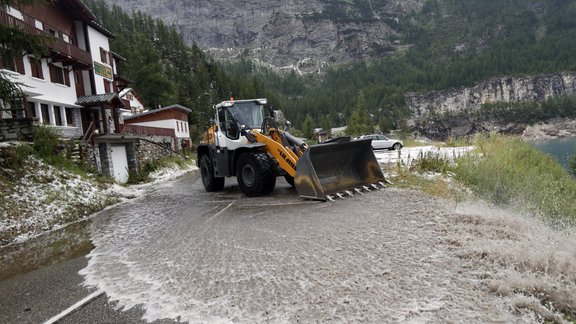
x: 234, y: 116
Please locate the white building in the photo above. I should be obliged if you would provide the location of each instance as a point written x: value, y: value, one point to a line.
x: 169, y: 121
x: 79, y: 64
x: 132, y: 99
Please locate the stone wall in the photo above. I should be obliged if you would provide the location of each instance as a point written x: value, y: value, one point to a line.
x: 147, y: 151
x: 139, y: 151
x: 17, y: 129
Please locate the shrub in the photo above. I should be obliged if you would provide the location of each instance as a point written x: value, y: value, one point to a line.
x: 47, y: 142
x: 13, y: 157
x: 432, y: 162
x: 136, y: 176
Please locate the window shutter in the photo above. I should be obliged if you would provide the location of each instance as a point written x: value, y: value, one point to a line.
x: 36, y: 66
x: 111, y: 59
x: 53, y: 73
x: 102, y: 55
x: 106, y: 86
x: 20, y: 64
x: 33, y: 67
x: 66, y: 77
x: 40, y: 72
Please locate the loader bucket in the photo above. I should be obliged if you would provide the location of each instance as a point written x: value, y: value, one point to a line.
x: 327, y: 169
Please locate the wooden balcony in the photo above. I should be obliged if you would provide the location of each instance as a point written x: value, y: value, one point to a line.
x: 60, y: 51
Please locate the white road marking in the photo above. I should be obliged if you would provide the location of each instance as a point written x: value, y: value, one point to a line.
x: 219, y: 213
x: 74, y: 307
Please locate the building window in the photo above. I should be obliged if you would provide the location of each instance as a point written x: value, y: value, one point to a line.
x: 58, y: 115
x: 7, y: 63
x: 69, y: 117
x: 103, y: 55
x: 12, y: 64
x: 106, y: 86
x: 45, y: 114
x: 38, y: 24
x: 56, y: 74
x: 59, y: 75
x: 66, y: 38
x: 53, y: 32
x: 14, y: 13
x: 36, y: 66
x: 32, y: 109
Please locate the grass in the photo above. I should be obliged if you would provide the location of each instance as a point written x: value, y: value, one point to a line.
x: 504, y: 171
x: 509, y: 172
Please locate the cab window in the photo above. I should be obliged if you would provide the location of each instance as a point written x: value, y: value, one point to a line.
x: 228, y: 124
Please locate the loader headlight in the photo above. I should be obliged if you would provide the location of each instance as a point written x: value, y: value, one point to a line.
x: 228, y: 104
x: 262, y: 101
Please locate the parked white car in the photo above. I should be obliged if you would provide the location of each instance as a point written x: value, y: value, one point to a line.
x: 381, y: 142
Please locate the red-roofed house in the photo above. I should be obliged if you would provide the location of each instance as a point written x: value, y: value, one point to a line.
x: 169, y: 121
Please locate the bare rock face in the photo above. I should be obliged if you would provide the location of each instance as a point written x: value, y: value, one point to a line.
x: 536, y: 88
x: 301, y: 34
x: 453, y: 102
x: 554, y: 128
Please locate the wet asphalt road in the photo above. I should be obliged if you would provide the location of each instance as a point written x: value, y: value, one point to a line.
x: 40, y: 278
x: 181, y: 254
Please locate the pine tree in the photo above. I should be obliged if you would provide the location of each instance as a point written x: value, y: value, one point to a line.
x: 308, y: 127
x: 326, y: 123
x: 359, y: 122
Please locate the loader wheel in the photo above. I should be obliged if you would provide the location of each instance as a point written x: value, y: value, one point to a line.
x: 396, y: 146
x: 289, y: 179
x: 256, y: 174
x: 211, y: 183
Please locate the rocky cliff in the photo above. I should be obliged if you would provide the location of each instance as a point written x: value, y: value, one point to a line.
x: 301, y: 34
x: 440, y: 114
x: 509, y: 89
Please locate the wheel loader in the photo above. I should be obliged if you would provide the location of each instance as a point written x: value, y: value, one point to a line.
x: 245, y: 142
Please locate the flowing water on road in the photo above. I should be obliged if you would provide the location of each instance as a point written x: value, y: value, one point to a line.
x: 387, y: 256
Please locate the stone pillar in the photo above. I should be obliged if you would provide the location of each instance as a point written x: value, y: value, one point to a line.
x: 106, y: 159
x: 131, y: 154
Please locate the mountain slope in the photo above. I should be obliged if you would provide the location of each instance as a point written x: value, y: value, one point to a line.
x: 298, y: 33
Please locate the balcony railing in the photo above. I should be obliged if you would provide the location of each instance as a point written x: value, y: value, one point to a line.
x: 65, y: 52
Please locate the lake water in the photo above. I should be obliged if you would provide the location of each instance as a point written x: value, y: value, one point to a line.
x: 560, y: 148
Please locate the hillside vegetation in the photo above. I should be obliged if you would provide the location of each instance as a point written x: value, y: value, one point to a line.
x: 165, y: 70
x: 455, y: 43
x: 448, y: 43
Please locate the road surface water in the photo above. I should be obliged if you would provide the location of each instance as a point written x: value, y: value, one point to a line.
x: 386, y: 256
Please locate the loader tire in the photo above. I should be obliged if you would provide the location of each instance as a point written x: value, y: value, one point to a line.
x: 211, y: 183
x: 256, y: 174
x: 290, y: 180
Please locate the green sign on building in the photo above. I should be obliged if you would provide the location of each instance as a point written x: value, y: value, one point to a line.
x: 103, y: 70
